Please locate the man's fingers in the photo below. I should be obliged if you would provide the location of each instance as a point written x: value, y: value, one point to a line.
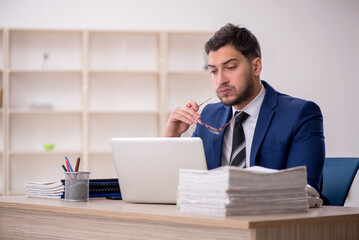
x: 184, y: 114
x: 193, y: 105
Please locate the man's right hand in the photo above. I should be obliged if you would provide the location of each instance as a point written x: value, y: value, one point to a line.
x: 181, y: 118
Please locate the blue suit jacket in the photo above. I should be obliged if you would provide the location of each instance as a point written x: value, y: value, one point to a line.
x: 289, y: 133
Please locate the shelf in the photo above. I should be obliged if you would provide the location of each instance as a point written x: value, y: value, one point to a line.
x: 123, y: 92
x: 45, y: 71
x: 60, y: 90
x: 42, y: 111
x: 45, y: 152
x: 123, y: 51
x: 1, y: 50
x: 99, y: 153
x: 40, y: 50
x: 64, y: 131
x: 117, y: 71
x: 183, y: 47
x: 126, y: 112
x: 190, y: 72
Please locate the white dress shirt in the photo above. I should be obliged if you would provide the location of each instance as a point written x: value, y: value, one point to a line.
x: 249, y: 126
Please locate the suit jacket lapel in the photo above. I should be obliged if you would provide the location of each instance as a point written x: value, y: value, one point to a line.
x: 223, y: 117
x: 264, y: 119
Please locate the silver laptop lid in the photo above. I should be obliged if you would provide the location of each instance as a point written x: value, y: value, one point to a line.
x: 147, y: 168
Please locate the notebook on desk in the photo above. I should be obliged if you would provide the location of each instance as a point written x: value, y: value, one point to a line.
x: 147, y: 168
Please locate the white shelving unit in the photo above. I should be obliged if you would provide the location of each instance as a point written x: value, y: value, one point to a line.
x: 2, y: 121
x: 78, y: 89
x: 45, y: 103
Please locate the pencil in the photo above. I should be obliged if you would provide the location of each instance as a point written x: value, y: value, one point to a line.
x: 64, y: 168
x: 77, y: 165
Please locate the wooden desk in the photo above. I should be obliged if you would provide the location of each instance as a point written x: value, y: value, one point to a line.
x: 31, y: 218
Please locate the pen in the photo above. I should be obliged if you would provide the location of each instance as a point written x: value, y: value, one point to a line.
x: 64, y: 168
x: 77, y: 165
x: 68, y: 167
x: 67, y: 160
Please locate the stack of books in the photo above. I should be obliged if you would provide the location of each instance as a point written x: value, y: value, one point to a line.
x: 230, y: 191
x: 44, y: 189
x: 107, y: 187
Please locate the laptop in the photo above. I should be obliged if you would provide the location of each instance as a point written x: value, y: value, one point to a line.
x: 147, y: 168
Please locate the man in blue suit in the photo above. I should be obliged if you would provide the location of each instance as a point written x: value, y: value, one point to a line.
x: 280, y: 131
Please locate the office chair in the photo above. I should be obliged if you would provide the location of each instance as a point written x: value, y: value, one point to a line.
x: 338, y: 175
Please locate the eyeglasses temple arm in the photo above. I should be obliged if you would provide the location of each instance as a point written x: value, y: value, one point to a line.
x: 206, y: 100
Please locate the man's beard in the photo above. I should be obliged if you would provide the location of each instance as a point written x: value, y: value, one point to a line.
x: 244, y: 95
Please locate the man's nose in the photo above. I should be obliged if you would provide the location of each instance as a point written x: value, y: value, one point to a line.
x: 221, y: 78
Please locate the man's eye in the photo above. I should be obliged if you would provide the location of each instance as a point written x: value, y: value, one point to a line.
x: 231, y: 68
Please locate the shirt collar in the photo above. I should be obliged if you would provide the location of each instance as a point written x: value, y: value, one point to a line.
x: 254, y: 106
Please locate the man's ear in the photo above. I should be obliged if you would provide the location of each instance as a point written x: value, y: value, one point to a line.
x: 257, y: 66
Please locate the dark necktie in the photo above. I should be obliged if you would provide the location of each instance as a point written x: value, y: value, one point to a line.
x: 238, y: 156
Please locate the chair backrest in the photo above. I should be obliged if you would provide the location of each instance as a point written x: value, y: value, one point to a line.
x: 338, y: 175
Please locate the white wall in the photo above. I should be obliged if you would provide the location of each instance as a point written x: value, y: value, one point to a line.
x: 310, y: 47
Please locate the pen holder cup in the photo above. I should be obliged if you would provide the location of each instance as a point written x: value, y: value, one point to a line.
x: 77, y: 186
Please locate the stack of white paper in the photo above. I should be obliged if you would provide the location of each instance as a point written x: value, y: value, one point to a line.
x: 227, y: 191
x: 44, y: 189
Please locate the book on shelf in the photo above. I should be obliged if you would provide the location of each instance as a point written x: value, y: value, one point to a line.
x: 104, y: 187
x: 229, y: 191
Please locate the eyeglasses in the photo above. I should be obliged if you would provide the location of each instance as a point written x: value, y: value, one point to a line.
x: 218, y: 130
